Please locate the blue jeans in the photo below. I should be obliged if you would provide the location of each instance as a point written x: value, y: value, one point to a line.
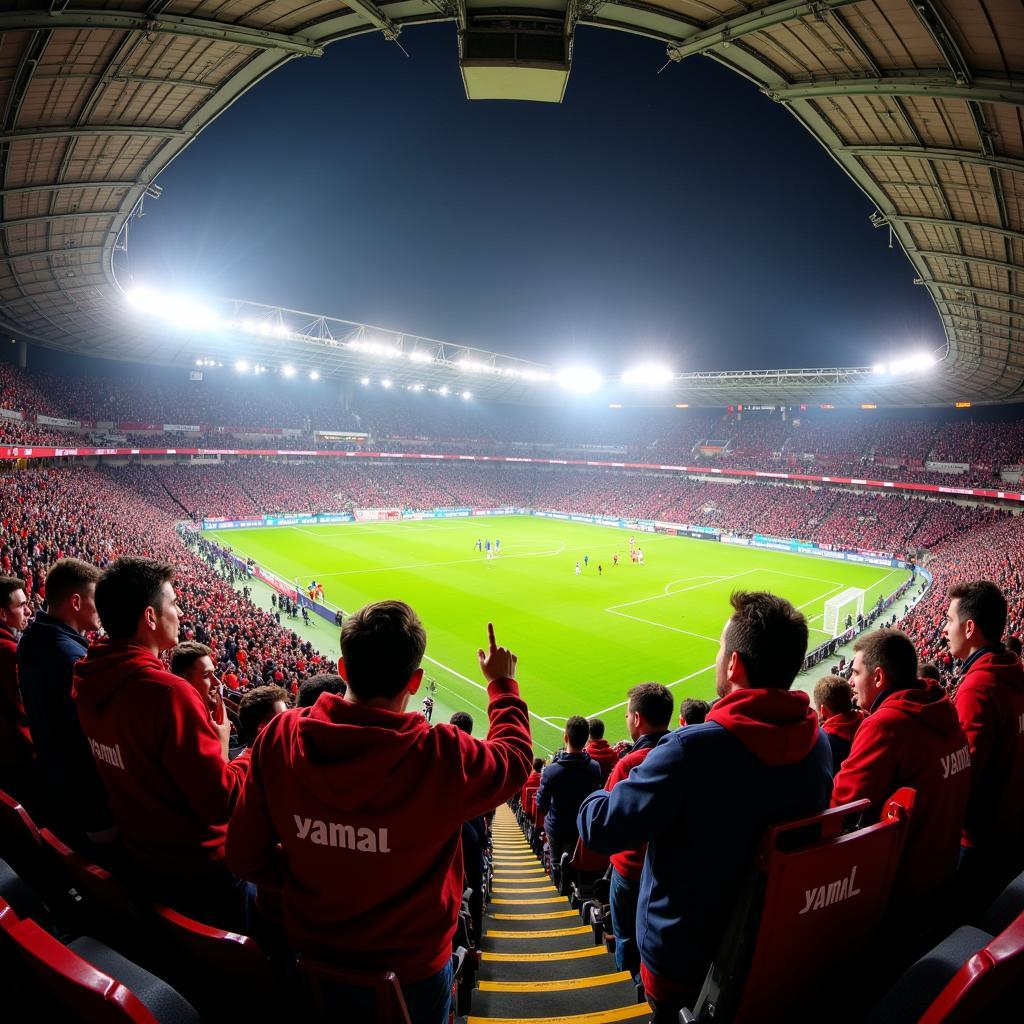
x: 623, y: 897
x: 428, y: 1001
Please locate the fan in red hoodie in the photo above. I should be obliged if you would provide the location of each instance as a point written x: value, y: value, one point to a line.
x: 833, y: 700
x: 161, y: 758
x: 15, y: 738
x: 648, y: 713
x: 600, y: 750
x: 354, y: 808
x: 910, y: 738
x: 990, y: 704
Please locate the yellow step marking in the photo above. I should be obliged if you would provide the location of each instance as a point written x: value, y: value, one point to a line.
x: 534, y: 958
x: 539, y: 888
x: 549, y: 899
x: 512, y: 873
x: 535, y: 917
x: 597, y: 1017
x: 566, y: 985
x: 549, y: 933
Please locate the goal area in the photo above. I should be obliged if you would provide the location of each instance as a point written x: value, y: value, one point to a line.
x: 849, y: 602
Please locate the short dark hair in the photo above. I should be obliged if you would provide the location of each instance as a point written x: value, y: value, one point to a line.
x: 892, y: 651
x: 596, y: 729
x: 983, y: 603
x: 538, y: 764
x: 653, y: 702
x: 462, y: 720
x: 186, y: 654
x: 255, y: 709
x: 929, y: 670
x: 69, y: 576
x: 324, y: 682
x: 382, y: 645
x: 694, y: 711
x: 126, y: 590
x: 577, y: 729
x: 1013, y: 644
x: 769, y: 635
x: 834, y: 693
x: 8, y: 585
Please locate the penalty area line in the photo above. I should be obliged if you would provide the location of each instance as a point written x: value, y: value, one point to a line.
x: 676, y: 682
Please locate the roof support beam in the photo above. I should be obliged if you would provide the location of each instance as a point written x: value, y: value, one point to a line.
x: 724, y: 32
x: 50, y: 218
x: 940, y: 87
x: 981, y: 261
x: 942, y: 222
x: 94, y: 130
x: 177, y: 83
x: 961, y: 156
x: 369, y: 11
x: 963, y: 304
x: 995, y: 293
x: 22, y: 190
x: 172, y: 24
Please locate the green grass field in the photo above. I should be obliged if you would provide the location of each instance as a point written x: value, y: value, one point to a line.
x: 582, y: 640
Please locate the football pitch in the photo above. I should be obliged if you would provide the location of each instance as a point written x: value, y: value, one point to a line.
x: 583, y: 640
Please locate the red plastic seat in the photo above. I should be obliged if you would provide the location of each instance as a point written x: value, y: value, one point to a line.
x: 113, y: 908
x: 587, y: 862
x: 84, y: 992
x: 19, y: 837
x: 815, y: 899
x: 389, y: 1003
x: 983, y: 982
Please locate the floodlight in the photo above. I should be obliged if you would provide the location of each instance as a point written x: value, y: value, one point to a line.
x: 649, y: 375
x: 199, y: 362
x: 879, y: 368
x: 443, y: 390
x: 467, y: 395
x: 365, y: 381
x: 916, y: 362
x: 386, y: 382
x: 242, y: 366
x: 580, y: 379
x: 314, y: 374
x: 288, y: 370
x: 419, y: 356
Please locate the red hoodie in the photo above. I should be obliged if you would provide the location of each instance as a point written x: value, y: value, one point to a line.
x: 159, y: 756
x: 604, y: 755
x: 990, y: 705
x: 15, y: 739
x: 913, y: 738
x: 356, y: 813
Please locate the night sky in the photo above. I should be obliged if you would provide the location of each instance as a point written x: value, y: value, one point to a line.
x: 681, y: 215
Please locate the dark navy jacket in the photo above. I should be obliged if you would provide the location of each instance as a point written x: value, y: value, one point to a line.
x: 703, y: 799
x: 75, y: 797
x: 563, y: 785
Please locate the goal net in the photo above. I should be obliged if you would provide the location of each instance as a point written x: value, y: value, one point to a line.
x: 849, y: 602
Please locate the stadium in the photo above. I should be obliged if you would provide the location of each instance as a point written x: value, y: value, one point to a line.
x: 709, y: 704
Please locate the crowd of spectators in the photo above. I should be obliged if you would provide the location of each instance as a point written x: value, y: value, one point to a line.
x: 50, y: 514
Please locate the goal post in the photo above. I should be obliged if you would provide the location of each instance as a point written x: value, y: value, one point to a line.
x: 838, y: 607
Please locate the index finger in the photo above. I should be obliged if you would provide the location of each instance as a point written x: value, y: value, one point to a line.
x: 490, y: 636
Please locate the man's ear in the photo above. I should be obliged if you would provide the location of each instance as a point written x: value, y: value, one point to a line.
x: 76, y: 602
x: 414, y: 681
x: 341, y: 669
x: 150, y: 617
x: 734, y: 670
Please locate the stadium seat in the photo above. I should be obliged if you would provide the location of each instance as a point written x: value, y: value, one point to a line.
x: 89, y: 982
x: 969, y: 976
x: 109, y: 908
x: 1008, y: 906
x: 813, y: 900
x: 321, y: 978
x: 20, y: 897
x: 220, y: 971
x: 19, y: 838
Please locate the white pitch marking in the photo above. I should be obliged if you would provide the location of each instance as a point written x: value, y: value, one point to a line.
x: 662, y: 625
x: 682, y: 679
x: 683, y: 590
x: 455, y: 561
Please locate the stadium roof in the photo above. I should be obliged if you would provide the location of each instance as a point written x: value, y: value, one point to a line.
x: 920, y: 103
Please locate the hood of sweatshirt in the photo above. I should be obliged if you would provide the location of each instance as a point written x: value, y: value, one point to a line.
x: 1003, y: 667
x: 928, y: 704
x: 347, y: 753
x: 777, y: 726
x: 108, y: 666
x: 843, y: 725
